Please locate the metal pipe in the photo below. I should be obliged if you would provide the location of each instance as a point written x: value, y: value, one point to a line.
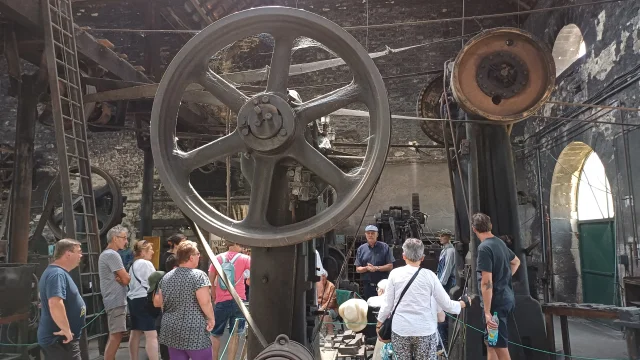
x: 543, y: 239
x: 23, y: 170
x: 473, y: 136
x: 625, y: 143
x: 417, y: 146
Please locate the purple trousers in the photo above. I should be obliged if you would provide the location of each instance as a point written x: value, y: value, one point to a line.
x: 177, y: 354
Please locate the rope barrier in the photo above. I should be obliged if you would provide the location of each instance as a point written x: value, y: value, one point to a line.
x: 532, y: 348
x: 34, y: 344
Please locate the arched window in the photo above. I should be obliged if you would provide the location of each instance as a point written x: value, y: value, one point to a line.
x: 594, y: 193
x: 569, y: 47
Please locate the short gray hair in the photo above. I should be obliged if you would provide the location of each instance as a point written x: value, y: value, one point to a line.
x: 63, y: 246
x: 413, y: 249
x: 116, y: 230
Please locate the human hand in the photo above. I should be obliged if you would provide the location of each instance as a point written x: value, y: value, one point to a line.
x: 68, y: 335
x: 466, y: 299
x: 210, y: 324
x: 490, y: 323
x: 371, y: 268
x: 119, y: 280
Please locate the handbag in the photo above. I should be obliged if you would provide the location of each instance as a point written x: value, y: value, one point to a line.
x: 385, y: 330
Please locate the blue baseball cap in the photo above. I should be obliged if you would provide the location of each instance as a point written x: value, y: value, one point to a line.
x: 371, y: 228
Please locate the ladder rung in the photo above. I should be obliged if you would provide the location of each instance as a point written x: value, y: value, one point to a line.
x: 65, y: 32
x: 77, y: 157
x: 83, y: 233
x: 64, y: 47
x: 58, y: 11
x: 74, y: 138
x: 80, y: 176
x: 84, y: 214
x: 90, y: 295
x: 69, y: 100
x: 65, y: 80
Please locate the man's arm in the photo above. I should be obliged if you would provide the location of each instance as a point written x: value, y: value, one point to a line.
x: 387, y: 267
x: 122, y: 277
x: 486, y: 288
x: 157, y: 299
x: 359, y: 265
x: 59, y: 316
x: 515, y: 264
x: 449, y: 263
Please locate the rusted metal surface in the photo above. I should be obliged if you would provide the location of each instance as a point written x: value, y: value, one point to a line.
x: 429, y: 106
x: 503, y: 74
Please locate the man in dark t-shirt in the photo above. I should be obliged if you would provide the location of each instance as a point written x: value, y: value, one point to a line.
x: 63, y: 310
x: 495, y: 267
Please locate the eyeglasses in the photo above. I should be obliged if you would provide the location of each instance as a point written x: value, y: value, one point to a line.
x: 121, y: 237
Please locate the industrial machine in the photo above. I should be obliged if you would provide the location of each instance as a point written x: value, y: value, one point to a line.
x: 500, y: 77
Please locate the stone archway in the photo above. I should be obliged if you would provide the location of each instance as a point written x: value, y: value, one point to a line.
x: 568, y: 47
x: 566, y: 280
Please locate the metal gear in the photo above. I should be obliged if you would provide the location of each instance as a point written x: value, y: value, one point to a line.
x: 503, y: 74
x: 267, y: 147
x: 109, y: 202
x: 284, y: 349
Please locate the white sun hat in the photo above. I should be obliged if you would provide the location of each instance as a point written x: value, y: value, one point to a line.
x: 354, y: 314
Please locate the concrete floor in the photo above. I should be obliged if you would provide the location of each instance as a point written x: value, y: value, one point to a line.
x: 588, y: 339
x: 592, y: 339
x: 123, y: 352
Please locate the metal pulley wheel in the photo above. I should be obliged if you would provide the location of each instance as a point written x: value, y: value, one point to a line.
x: 284, y: 349
x: 270, y: 127
x: 429, y: 106
x: 108, y: 197
x: 503, y: 74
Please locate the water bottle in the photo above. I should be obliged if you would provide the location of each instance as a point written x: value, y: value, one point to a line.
x: 492, y: 337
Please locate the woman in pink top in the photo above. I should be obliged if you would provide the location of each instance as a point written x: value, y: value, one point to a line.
x: 234, y: 263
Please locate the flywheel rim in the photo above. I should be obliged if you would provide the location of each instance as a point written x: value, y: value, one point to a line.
x: 530, y: 57
x: 190, y: 63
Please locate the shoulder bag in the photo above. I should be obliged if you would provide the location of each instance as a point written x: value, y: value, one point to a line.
x: 385, y: 330
x: 153, y: 311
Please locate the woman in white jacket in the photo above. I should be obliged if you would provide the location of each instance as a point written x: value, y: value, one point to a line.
x: 414, y: 327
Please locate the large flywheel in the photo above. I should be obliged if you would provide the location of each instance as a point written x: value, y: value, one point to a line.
x: 270, y: 128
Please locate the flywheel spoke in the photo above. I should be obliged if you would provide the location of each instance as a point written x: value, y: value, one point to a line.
x: 263, y: 169
x: 328, y: 103
x: 313, y: 160
x: 280, y: 63
x: 223, y: 90
x: 220, y: 148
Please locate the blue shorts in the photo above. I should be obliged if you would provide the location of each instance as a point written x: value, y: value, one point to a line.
x: 503, y: 331
x: 141, y: 319
x: 225, y: 314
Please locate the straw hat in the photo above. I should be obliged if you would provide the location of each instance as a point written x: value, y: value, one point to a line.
x: 354, y: 314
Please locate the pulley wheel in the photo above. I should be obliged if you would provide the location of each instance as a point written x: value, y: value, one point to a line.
x: 429, y: 105
x: 108, y: 198
x: 503, y: 74
x: 280, y: 133
x: 284, y: 349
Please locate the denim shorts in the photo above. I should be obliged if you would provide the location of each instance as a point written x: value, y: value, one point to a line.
x: 225, y: 314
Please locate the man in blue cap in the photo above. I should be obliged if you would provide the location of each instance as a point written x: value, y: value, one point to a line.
x: 374, y: 261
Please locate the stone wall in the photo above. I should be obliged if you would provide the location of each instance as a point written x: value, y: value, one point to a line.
x: 422, y: 172
x: 606, y: 74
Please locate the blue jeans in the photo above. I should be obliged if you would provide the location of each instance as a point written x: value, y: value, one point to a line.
x: 226, y: 312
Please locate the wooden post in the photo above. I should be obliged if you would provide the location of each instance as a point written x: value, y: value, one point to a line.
x: 551, y: 336
x: 23, y: 169
x: 566, y: 343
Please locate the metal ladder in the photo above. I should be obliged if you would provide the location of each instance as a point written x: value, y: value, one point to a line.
x: 73, y: 156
